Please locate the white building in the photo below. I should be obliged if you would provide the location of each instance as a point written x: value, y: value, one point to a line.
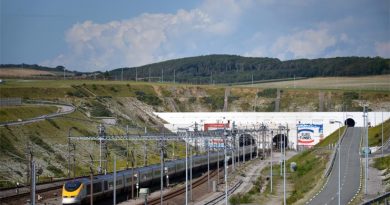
x: 272, y: 119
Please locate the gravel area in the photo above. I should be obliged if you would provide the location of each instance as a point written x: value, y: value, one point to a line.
x: 375, y: 186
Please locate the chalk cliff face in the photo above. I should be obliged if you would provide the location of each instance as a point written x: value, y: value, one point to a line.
x: 139, y: 105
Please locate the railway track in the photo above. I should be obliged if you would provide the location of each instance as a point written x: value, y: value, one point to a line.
x: 181, y: 191
x: 23, y: 197
x: 222, y: 196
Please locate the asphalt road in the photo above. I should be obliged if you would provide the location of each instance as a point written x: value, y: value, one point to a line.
x: 350, y: 172
x: 63, y: 110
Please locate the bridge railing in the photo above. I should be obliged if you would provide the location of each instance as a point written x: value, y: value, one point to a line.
x: 382, y: 198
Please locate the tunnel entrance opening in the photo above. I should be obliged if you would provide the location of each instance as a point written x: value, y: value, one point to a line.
x: 349, y: 122
x: 246, y: 139
x: 279, y: 140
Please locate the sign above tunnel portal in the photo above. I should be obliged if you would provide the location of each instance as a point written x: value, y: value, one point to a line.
x: 309, y: 134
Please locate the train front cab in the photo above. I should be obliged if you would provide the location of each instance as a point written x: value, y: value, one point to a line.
x: 72, y: 192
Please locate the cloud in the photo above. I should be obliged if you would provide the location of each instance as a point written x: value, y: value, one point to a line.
x: 383, y: 49
x: 146, y: 38
x: 308, y: 43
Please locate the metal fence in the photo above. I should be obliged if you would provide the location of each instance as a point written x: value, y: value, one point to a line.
x: 10, y: 101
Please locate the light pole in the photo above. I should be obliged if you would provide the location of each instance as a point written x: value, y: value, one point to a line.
x: 208, y: 165
x: 186, y: 141
x: 114, y: 194
x: 272, y: 144
x: 382, y: 132
x: 365, y: 116
x: 338, y: 150
x: 225, y: 166
x: 69, y: 151
x: 283, y: 156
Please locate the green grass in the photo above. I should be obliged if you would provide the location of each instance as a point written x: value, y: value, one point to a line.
x: 6, y: 145
x: 275, y: 179
x: 332, y: 138
x: 13, y: 113
x: 382, y: 163
x: 375, y: 134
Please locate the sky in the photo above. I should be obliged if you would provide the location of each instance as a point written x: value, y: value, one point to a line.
x: 92, y: 35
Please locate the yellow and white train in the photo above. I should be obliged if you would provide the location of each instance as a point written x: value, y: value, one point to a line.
x: 78, y: 191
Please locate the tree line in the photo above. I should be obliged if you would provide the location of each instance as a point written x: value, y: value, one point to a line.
x: 234, y: 69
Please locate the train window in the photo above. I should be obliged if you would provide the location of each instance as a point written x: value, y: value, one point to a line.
x: 128, y: 180
x: 97, y: 187
x: 118, y: 182
x: 105, y: 185
x: 72, y: 186
x: 88, y: 189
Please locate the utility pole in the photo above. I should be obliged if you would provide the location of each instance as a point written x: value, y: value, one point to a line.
x: 114, y: 194
x: 174, y: 76
x: 211, y: 77
x: 162, y: 75
x: 136, y: 74
x: 33, y: 175
x: 284, y: 166
x: 69, y: 151
x: 382, y: 132
x: 191, y: 172
x: 74, y: 160
x: 186, y: 141
x: 161, y: 144
x: 122, y: 75
x: 272, y: 144
x: 101, y: 131
x: 294, y: 82
x: 149, y: 75
x: 218, y: 164
x: 208, y: 165
x: 365, y: 116
x: 225, y: 167
x: 145, y: 151
x: 132, y: 174
x: 91, y: 185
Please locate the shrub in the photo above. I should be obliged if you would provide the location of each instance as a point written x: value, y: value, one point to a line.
x: 99, y: 110
x: 148, y: 98
x: 114, y: 89
x: 268, y: 93
x: 38, y: 141
x: 239, y: 198
x: 52, y: 122
x: 192, y: 99
x: 232, y: 98
x: 56, y: 171
x: 76, y: 93
x: 216, y: 102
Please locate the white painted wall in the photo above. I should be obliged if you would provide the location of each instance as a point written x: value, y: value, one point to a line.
x: 273, y: 119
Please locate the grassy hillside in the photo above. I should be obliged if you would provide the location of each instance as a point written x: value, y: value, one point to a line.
x: 375, y: 134
x: 48, y: 142
x: 13, y: 113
